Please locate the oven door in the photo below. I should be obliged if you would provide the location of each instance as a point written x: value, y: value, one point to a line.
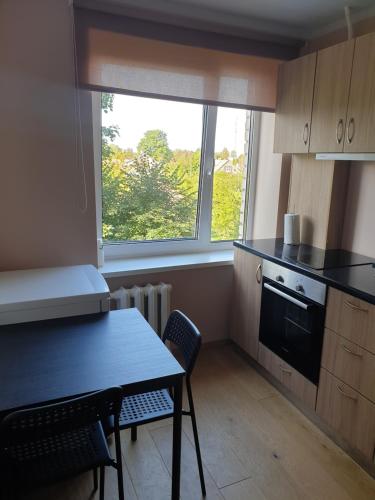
x: 292, y: 327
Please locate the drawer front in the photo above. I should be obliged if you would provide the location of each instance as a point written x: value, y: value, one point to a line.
x: 350, y: 363
x: 347, y: 412
x: 352, y: 318
x: 288, y: 376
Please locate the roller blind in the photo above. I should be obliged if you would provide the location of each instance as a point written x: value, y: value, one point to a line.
x: 114, y: 60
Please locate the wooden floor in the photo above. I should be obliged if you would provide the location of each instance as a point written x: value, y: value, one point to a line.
x: 255, y: 446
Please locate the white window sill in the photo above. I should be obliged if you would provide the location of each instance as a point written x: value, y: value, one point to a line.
x: 129, y: 267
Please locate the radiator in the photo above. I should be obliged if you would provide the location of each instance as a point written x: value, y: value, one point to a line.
x: 153, y: 302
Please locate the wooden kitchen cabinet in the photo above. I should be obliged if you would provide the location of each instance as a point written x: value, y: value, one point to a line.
x: 246, y: 301
x: 331, y: 96
x: 350, y: 363
x: 348, y: 413
x: 360, y: 134
x: 294, y: 105
x: 288, y: 376
x: 352, y: 318
x: 320, y: 222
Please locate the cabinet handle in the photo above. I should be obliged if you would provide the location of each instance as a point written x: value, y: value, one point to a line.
x: 258, y: 274
x: 285, y: 370
x: 305, y: 135
x: 340, y: 131
x: 351, y: 130
x: 341, y: 391
x: 346, y: 348
x: 354, y: 307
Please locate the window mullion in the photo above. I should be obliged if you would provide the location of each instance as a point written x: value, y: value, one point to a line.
x: 208, y: 152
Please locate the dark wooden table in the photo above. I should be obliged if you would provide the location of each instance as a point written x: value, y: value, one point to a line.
x: 48, y: 361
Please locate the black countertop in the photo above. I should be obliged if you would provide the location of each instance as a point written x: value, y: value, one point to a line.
x: 350, y: 272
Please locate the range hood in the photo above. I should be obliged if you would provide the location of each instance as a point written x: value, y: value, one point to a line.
x: 346, y: 156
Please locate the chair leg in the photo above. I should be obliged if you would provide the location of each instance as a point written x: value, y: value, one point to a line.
x: 95, y: 477
x: 133, y: 431
x: 120, y: 478
x: 101, y: 484
x: 196, y: 439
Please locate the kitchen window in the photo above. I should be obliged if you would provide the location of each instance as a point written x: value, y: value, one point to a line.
x: 173, y: 177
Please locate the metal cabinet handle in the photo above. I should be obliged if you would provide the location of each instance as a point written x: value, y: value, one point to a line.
x: 354, y: 307
x: 305, y: 135
x: 285, y: 370
x: 346, y: 348
x: 350, y: 130
x: 340, y: 389
x: 258, y: 274
x: 339, y: 131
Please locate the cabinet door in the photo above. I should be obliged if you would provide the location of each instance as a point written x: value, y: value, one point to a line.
x: 294, y: 104
x: 288, y: 376
x: 331, y: 95
x: 246, y: 301
x: 351, y: 318
x: 350, y: 363
x: 347, y: 412
x: 360, y: 128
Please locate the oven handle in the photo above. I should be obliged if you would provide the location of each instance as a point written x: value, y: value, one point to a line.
x: 286, y: 296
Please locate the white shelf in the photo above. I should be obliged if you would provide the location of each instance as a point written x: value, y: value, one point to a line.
x: 128, y: 267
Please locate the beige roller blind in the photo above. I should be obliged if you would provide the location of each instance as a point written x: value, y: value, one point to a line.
x: 111, y: 60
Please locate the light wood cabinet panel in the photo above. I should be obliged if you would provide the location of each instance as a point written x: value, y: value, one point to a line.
x: 350, y: 363
x: 294, y: 105
x: 331, y: 96
x: 347, y: 412
x: 246, y: 301
x: 288, y: 376
x: 320, y: 222
x: 351, y: 318
x: 360, y: 136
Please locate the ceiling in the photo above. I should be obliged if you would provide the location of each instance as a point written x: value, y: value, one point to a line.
x: 276, y: 19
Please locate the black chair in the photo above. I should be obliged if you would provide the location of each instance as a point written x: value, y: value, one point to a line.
x: 43, y: 445
x: 157, y: 405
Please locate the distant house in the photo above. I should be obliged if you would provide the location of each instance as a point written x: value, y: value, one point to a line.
x: 227, y: 166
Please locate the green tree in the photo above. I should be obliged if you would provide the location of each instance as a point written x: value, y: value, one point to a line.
x: 149, y: 203
x: 110, y: 133
x: 155, y: 145
x: 226, y: 206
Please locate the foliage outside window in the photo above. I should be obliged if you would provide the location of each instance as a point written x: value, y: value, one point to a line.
x: 152, y: 190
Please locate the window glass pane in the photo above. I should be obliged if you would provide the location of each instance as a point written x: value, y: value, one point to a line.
x: 230, y: 173
x: 151, y: 154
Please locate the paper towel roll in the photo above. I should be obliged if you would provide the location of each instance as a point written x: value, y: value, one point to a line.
x: 291, y: 229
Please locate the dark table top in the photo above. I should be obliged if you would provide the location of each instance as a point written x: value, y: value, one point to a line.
x: 51, y: 360
x: 347, y: 271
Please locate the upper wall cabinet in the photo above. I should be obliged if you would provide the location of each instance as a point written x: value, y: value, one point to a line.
x: 342, y: 100
x: 360, y: 136
x: 294, y: 104
x: 331, y: 94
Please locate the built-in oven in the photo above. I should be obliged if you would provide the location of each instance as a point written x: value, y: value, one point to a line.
x: 292, y: 318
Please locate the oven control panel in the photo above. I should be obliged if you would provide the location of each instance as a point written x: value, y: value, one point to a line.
x: 296, y: 282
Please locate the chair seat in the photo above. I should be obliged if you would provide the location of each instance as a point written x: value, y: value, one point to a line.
x: 57, y: 457
x: 146, y: 407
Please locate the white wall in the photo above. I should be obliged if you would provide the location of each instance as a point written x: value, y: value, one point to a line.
x: 41, y: 193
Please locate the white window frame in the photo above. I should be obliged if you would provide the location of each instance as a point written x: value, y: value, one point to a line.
x: 203, y: 243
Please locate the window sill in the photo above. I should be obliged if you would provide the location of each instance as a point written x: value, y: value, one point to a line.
x: 128, y: 267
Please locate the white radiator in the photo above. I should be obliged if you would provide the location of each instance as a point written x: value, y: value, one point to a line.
x: 153, y: 302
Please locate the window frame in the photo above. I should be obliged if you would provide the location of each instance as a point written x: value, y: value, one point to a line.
x: 202, y: 243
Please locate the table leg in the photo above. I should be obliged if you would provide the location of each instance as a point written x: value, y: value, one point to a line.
x: 176, y: 454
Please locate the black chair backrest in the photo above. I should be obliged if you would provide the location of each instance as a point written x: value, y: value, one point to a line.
x: 182, y: 332
x: 50, y: 420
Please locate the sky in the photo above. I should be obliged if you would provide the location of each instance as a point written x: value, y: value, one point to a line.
x: 181, y: 121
